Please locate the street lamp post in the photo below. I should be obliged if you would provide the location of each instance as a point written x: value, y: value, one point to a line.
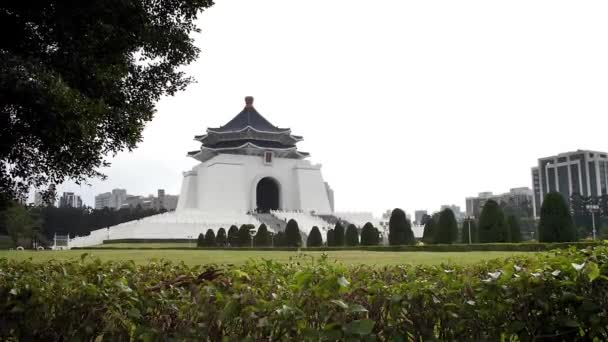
x: 593, y: 208
x: 469, y: 218
x: 252, y: 234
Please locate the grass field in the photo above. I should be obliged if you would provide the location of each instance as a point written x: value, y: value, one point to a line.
x: 194, y: 257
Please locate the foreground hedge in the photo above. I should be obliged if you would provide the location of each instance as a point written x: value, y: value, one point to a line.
x: 503, y: 247
x: 554, y: 296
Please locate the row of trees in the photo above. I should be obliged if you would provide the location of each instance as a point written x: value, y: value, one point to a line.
x: 27, y: 223
x: 494, y: 226
x: 556, y: 224
x: 291, y: 237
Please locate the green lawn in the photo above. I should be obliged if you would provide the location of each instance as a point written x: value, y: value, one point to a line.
x: 194, y: 257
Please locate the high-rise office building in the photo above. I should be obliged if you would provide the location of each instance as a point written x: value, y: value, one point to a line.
x: 580, y: 172
x: 70, y: 200
x: 112, y: 200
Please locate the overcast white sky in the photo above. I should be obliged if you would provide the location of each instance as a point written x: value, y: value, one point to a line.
x: 410, y: 104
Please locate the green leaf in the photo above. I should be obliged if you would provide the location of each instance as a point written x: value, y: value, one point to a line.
x: 343, y: 282
x: 593, y: 271
x: 357, y: 308
x: 339, y: 303
x: 570, y: 323
x: 360, y: 327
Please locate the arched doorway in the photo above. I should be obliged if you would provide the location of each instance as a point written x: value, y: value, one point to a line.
x: 267, y: 195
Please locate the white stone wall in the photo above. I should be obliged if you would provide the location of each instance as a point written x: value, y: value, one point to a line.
x: 228, y: 182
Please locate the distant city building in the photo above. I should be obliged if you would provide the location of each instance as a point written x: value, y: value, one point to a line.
x: 518, y: 201
x: 458, y: 214
x: 70, y: 200
x: 161, y: 201
x: 418, y: 215
x: 111, y: 200
x: 581, y: 172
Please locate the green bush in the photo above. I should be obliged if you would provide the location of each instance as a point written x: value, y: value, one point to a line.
x: 338, y: 235
x: 221, y: 239
x: 262, y: 237
x: 210, y: 238
x: 330, y: 238
x: 200, y: 241
x: 400, y: 229
x: 369, y: 235
x: 556, y: 223
x: 233, y: 236
x: 492, y: 226
x: 514, y: 228
x: 314, y: 239
x: 244, y: 235
x: 562, y: 295
x: 447, y: 227
x: 430, y: 223
x: 293, y: 238
x: 351, y: 237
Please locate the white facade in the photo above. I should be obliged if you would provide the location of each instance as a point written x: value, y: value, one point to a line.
x: 228, y: 183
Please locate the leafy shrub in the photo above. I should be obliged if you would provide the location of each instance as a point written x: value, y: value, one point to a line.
x: 369, y: 235
x: 262, y: 237
x: 314, y: 239
x: 492, y: 226
x: 556, y: 223
x: 561, y: 295
x: 447, y: 227
x: 514, y: 228
x: 220, y: 239
x: 400, y: 229
x: 210, y: 238
x: 430, y: 223
x: 200, y: 241
x: 293, y: 238
x: 233, y: 236
x: 351, y: 237
x: 244, y: 235
x: 330, y: 238
x: 338, y: 235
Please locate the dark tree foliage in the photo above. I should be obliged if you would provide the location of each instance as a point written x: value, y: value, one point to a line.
x: 338, y: 235
x: 425, y: 218
x: 200, y: 241
x: 555, y: 220
x: 369, y: 235
x: 293, y: 238
x: 210, y: 238
x: 492, y: 226
x: 81, y: 221
x: 331, y: 240
x: 220, y: 239
x: 262, y: 237
x: 352, y: 236
x: 400, y: 229
x: 314, y: 238
x: 465, y: 231
x: 279, y: 239
x: 80, y: 79
x: 447, y: 227
x: 244, y: 239
x: 233, y: 236
x: 428, y: 236
x: 514, y: 228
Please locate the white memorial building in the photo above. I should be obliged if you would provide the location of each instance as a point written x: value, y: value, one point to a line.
x: 250, y: 165
x: 250, y: 172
